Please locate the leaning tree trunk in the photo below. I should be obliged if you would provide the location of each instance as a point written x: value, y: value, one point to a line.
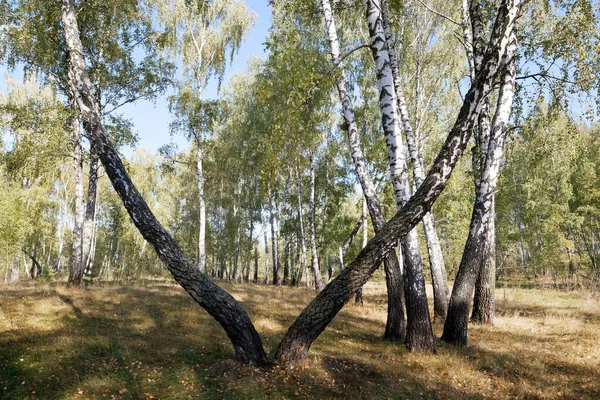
x: 77, y: 266
x: 395, y: 325
x: 419, y: 334
x: 218, y: 303
x: 313, y: 237
x: 434, y: 249
x: 325, y: 306
x: 456, y: 326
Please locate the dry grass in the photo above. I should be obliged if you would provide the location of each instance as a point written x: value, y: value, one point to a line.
x: 149, y: 340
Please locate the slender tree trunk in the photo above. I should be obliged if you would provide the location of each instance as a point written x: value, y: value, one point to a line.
x: 90, y: 210
x: 344, y: 248
x: 395, y: 324
x: 266, y: 252
x: 436, y: 259
x: 286, y: 260
x: 274, y: 237
x: 456, y: 326
x: 419, y: 332
x: 255, y: 261
x: 303, y: 265
x: 358, y: 298
x: 311, y: 225
x: 77, y: 266
x: 201, y: 207
x: 218, y: 303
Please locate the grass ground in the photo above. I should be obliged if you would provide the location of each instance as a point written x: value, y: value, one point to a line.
x: 151, y: 341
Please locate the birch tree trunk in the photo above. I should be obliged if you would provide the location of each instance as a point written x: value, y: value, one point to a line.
x: 395, y: 325
x: 484, y: 301
x: 434, y: 249
x: 358, y: 298
x: 255, y: 280
x: 266, y: 252
x: 303, y: 264
x: 90, y: 210
x: 325, y: 306
x: 274, y: 237
x: 313, y: 237
x: 218, y: 303
x: 201, y: 207
x: 77, y: 266
x: 477, y: 248
x: 419, y: 334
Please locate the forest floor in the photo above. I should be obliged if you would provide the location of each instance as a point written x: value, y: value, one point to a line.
x: 149, y: 340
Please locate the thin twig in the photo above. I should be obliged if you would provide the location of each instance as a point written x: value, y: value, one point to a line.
x: 440, y: 14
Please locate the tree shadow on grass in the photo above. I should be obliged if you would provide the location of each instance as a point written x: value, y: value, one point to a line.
x: 128, y: 342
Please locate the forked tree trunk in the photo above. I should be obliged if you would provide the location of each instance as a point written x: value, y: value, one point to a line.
x: 436, y: 259
x: 419, y: 334
x: 477, y: 246
x: 325, y: 306
x: 218, y: 303
x: 395, y: 325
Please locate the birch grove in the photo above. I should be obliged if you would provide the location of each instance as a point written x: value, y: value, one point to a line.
x: 355, y: 109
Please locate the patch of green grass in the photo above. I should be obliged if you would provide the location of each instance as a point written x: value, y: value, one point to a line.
x: 152, y: 341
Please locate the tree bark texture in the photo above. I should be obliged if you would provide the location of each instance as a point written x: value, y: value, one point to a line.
x: 325, y: 306
x: 218, y: 303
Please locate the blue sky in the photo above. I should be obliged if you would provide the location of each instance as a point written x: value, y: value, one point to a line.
x: 151, y: 119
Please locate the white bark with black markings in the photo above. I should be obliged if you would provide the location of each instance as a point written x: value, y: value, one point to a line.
x: 419, y: 334
x: 436, y: 259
